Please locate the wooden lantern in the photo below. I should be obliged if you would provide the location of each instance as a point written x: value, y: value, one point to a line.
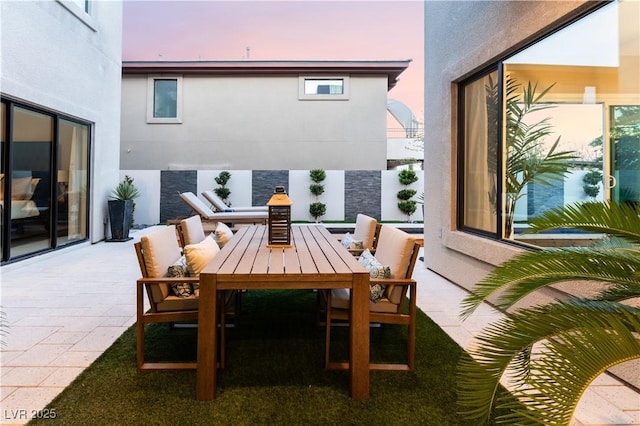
x: 279, y: 218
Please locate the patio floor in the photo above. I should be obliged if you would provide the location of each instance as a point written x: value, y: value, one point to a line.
x: 66, y: 308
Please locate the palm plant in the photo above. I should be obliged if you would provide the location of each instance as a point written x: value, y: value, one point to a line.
x: 527, y: 159
x: 576, y: 339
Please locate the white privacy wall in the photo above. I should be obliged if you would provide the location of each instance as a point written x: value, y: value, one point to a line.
x: 147, y: 211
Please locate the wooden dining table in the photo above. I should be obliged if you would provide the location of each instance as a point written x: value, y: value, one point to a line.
x: 314, y: 260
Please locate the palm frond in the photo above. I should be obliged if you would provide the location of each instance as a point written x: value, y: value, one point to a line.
x: 533, y: 270
x: 582, y: 338
x: 621, y: 292
x: 614, y: 219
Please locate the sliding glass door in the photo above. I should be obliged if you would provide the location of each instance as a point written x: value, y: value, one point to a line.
x: 624, y: 179
x: 44, y: 178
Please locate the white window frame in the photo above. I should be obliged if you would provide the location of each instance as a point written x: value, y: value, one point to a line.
x: 81, y: 10
x: 151, y: 95
x: 324, y: 97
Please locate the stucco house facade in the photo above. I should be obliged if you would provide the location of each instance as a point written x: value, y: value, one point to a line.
x: 587, y: 54
x: 256, y: 114
x: 60, y: 89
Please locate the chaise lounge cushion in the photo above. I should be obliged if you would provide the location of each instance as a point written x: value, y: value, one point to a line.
x: 206, y: 213
x: 220, y: 206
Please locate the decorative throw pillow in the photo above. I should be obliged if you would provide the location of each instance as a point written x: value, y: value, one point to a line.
x: 179, y: 269
x: 199, y: 255
x: 21, y: 188
x: 376, y: 270
x: 223, y: 234
x: 349, y: 243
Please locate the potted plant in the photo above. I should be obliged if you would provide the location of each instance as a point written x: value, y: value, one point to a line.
x: 121, y: 207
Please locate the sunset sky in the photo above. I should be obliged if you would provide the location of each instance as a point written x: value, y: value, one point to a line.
x: 282, y: 30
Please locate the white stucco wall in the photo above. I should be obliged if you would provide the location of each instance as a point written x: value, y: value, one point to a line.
x: 56, y: 57
x: 257, y: 122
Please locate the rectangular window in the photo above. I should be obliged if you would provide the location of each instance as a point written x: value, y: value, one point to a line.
x: 164, y: 100
x: 546, y: 129
x: 323, y: 88
x: 479, y: 154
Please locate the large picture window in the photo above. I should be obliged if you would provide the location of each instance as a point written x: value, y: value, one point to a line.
x: 554, y: 124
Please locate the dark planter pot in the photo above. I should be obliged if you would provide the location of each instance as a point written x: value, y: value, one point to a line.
x: 120, y: 214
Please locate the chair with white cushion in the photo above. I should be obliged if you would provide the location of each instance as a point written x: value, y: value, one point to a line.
x: 172, y: 298
x: 365, y: 235
x: 191, y: 231
x: 396, y: 255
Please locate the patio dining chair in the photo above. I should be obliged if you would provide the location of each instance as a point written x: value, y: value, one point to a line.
x: 391, y: 273
x: 208, y: 216
x: 220, y: 206
x: 365, y: 235
x: 191, y: 231
x: 157, y: 252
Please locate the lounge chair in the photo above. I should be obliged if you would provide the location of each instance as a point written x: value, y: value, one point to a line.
x: 207, y: 215
x: 220, y: 206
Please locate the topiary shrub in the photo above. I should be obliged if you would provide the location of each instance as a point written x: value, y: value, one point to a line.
x: 406, y: 204
x: 222, y: 191
x: 591, y: 181
x: 317, y: 209
x: 316, y: 188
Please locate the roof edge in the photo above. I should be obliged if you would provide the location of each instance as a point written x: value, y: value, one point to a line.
x: 392, y: 68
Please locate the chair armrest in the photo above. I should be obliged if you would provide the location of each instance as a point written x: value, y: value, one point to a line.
x: 393, y: 281
x: 168, y: 280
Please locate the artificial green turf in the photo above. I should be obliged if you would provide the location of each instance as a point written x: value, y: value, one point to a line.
x: 274, y: 375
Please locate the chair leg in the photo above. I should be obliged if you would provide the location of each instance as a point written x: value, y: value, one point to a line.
x: 223, y: 328
x: 327, y: 325
x: 139, y: 343
x: 412, y: 328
